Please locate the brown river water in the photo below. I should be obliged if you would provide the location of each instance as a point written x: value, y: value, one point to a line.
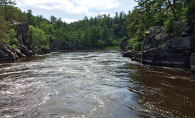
x: 93, y: 84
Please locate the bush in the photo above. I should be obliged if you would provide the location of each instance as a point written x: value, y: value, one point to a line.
x: 169, y: 25
x: 13, y: 41
x: 138, y: 46
x: 39, y: 39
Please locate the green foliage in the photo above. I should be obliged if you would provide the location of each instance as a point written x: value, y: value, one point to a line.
x: 39, y: 39
x: 12, y: 38
x: 3, y: 28
x: 15, y: 46
x: 113, y: 48
x: 165, y: 13
x: 103, y: 30
x: 138, y: 46
x: 189, y: 13
x: 169, y: 25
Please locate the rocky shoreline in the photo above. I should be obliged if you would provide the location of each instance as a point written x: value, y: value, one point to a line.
x: 9, y: 53
x: 161, y: 49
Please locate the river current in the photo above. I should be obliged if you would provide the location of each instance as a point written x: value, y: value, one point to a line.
x: 93, y: 84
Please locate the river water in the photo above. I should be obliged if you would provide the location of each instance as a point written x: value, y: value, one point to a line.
x: 93, y: 84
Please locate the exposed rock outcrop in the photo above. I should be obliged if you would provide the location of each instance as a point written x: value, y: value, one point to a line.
x: 123, y: 44
x: 164, y: 50
x: 129, y: 53
x: 192, y: 63
x: 22, y: 29
x: 25, y: 51
x: 57, y: 45
x: 7, y: 53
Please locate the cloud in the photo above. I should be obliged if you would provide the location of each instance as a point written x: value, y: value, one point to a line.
x: 111, y: 15
x: 73, y: 6
x: 69, y: 20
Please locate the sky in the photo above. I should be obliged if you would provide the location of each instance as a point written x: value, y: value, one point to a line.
x: 74, y: 10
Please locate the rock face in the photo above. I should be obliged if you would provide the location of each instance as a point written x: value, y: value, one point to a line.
x: 123, y: 44
x: 154, y: 37
x: 192, y: 62
x: 7, y: 53
x: 129, y: 53
x: 25, y: 51
x: 57, y: 45
x: 163, y: 50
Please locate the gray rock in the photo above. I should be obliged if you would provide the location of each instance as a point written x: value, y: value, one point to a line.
x: 57, y: 45
x: 123, y: 44
x: 149, y: 43
x: 192, y: 62
x: 25, y: 51
x: 9, y: 51
x: 187, y: 27
x: 182, y: 43
x: 19, y: 53
x: 3, y: 56
x: 129, y: 53
x: 155, y: 36
x: 137, y: 57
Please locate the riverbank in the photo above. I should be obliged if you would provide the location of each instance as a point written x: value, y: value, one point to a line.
x: 161, y: 49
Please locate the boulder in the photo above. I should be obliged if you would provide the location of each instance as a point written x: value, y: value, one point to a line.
x: 187, y: 27
x: 174, y: 53
x: 149, y: 43
x: 149, y: 56
x: 3, y: 56
x: 18, y: 52
x: 155, y: 30
x: 137, y: 57
x: 13, y: 51
x: 128, y: 48
x: 7, y: 50
x: 155, y: 36
x: 44, y: 51
x: 129, y: 53
x: 184, y: 34
x: 182, y: 43
x: 25, y: 51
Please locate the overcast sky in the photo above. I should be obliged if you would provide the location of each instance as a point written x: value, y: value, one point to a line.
x: 74, y: 10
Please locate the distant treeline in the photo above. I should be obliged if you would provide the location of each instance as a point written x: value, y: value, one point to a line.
x: 102, y: 30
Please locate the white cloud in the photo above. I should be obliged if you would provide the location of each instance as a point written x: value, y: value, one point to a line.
x: 69, y: 20
x: 73, y: 6
x: 111, y: 15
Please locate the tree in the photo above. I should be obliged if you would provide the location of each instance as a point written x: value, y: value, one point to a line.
x: 30, y: 17
x: 53, y: 19
x: 39, y: 39
x: 3, y: 28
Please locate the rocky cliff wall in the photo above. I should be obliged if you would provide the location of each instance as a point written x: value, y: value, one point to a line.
x: 165, y: 50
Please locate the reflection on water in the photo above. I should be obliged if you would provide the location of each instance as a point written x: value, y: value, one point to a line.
x: 98, y: 84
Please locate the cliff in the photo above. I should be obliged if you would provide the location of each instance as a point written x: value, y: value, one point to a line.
x: 159, y: 48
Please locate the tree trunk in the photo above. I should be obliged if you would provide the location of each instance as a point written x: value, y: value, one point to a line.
x: 173, y: 10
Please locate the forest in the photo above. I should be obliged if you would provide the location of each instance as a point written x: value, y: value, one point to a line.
x: 100, y: 31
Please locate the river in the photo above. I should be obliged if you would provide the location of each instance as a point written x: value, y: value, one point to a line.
x: 93, y: 84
